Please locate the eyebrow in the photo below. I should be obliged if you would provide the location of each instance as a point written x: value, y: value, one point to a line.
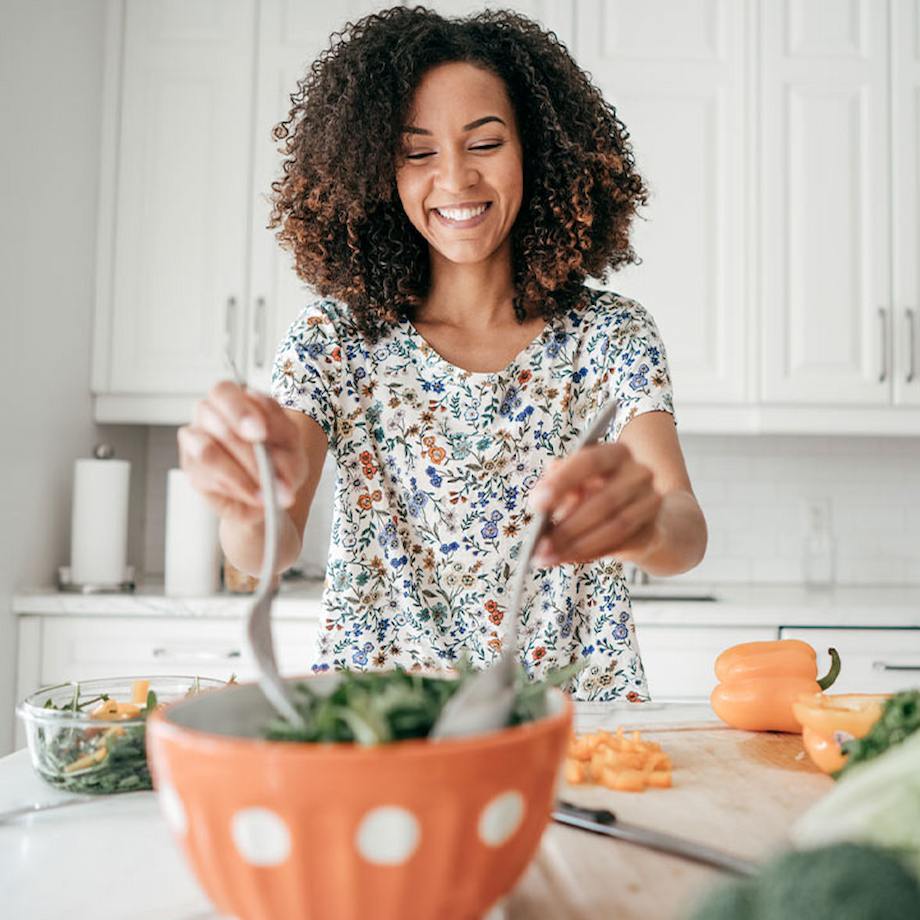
x: 473, y: 124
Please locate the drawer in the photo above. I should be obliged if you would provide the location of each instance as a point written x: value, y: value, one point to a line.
x: 82, y: 648
x: 873, y: 660
x: 679, y: 660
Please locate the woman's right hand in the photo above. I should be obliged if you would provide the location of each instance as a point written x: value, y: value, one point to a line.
x: 216, y: 451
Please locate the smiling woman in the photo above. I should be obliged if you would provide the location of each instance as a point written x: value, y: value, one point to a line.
x: 448, y: 186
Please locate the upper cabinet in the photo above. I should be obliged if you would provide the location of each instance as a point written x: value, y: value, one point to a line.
x: 825, y: 203
x: 780, y: 247
x: 675, y: 73
x: 174, y: 271
x: 905, y: 113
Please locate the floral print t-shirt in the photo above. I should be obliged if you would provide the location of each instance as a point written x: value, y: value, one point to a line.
x: 434, y: 468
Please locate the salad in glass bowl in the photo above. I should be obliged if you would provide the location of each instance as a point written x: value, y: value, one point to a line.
x: 89, y: 736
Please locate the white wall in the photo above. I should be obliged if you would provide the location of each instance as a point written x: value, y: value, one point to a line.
x: 50, y: 114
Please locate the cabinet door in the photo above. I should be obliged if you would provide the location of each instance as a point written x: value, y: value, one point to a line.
x: 675, y: 73
x: 179, y: 251
x: 905, y: 129
x: 679, y: 661
x: 873, y: 660
x: 291, y: 35
x: 824, y: 203
x: 83, y: 648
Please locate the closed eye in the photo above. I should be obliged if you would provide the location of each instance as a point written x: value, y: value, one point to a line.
x: 421, y: 156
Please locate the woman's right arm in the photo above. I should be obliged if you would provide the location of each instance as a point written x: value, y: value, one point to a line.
x: 216, y: 452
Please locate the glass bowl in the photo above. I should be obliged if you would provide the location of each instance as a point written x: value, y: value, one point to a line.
x: 89, y: 737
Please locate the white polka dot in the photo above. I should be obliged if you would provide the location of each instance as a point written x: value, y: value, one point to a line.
x: 261, y: 837
x: 501, y: 818
x: 172, y: 808
x: 388, y: 835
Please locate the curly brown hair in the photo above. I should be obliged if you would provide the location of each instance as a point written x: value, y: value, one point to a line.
x: 338, y: 205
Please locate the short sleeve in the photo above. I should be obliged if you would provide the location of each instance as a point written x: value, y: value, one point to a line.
x: 640, y: 378
x: 306, y: 373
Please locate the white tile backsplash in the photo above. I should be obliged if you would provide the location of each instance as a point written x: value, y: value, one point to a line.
x: 753, y: 490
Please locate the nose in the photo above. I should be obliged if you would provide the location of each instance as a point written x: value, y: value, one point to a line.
x: 457, y: 172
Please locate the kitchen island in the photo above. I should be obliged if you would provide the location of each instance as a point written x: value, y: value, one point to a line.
x: 114, y: 858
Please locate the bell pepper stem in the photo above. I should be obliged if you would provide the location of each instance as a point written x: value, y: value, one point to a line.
x: 834, y: 672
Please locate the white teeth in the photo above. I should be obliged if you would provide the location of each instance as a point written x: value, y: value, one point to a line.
x: 462, y: 214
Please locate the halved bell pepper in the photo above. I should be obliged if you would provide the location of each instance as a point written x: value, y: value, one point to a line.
x: 759, y: 682
x: 828, y: 720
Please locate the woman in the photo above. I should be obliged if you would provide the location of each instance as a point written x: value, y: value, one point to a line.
x: 448, y: 186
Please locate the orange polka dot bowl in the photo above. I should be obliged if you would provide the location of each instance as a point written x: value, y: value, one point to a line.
x: 302, y: 831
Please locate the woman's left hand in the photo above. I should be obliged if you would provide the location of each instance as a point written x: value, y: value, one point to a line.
x: 601, y: 502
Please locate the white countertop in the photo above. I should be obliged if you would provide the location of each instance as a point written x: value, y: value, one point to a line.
x: 735, y: 604
x: 114, y: 858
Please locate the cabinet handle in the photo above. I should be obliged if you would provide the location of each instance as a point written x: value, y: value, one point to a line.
x: 909, y: 316
x: 885, y: 666
x: 201, y: 655
x: 883, y: 316
x: 258, y: 349
x: 230, y: 328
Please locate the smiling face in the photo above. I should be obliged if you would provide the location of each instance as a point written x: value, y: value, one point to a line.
x: 461, y: 178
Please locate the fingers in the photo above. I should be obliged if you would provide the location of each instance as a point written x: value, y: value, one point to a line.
x: 561, y: 476
x: 631, y: 528
x: 218, y: 446
x: 633, y: 482
x: 212, y: 470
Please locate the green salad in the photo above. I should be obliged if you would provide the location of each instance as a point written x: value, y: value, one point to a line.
x: 379, y: 707
x: 97, y: 745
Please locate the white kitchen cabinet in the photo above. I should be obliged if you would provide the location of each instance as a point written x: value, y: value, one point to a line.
x: 838, y: 141
x: 173, y: 278
x: 905, y: 113
x: 679, y: 660
x: 873, y: 660
x: 676, y: 74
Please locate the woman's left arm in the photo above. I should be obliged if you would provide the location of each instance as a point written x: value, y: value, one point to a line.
x: 631, y: 500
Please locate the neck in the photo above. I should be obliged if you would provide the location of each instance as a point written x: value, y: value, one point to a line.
x: 472, y: 296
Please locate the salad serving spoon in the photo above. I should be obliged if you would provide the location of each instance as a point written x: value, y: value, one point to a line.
x: 484, y: 703
x: 259, y: 617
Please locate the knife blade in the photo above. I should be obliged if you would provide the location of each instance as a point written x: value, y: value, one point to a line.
x: 601, y: 821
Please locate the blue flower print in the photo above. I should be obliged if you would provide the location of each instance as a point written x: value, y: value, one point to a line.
x: 360, y: 373
x: 399, y: 562
x: 314, y: 349
x: 318, y: 667
x: 526, y: 412
x: 509, y: 403
x: 433, y: 475
x: 448, y: 548
x: 638, y: 380
x: 554, y: 346
x: 435, y: 386
x: 360, y: 654
x: 490, y: 530
x: 620, y: 631
x: 417, y: 500
x: 387, y: 536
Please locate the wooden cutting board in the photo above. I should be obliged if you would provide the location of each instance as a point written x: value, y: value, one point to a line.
x: 739, y: 791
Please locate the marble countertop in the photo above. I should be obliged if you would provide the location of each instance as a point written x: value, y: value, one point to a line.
x: 734, y: 604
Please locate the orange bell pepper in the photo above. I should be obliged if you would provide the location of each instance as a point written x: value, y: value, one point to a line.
x: 829, y: 720
x: 759, y: 682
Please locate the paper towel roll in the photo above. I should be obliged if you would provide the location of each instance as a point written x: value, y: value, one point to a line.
x: 99, y: 522
x: 192, y: 566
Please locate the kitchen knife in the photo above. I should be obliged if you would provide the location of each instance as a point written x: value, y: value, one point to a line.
x: 601, y: 821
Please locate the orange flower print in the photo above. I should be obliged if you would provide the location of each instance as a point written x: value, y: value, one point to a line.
x: 365, y: 457
x: 491, y: 605
x: 336, y: 353
x: 369, y: 471
x: 538, y: 653
x: 437, y: 454
x: 524, y: 376
x: 632, y: 697
x: 364, y: 502
x: 496, y: 617
x: 495, y: 644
